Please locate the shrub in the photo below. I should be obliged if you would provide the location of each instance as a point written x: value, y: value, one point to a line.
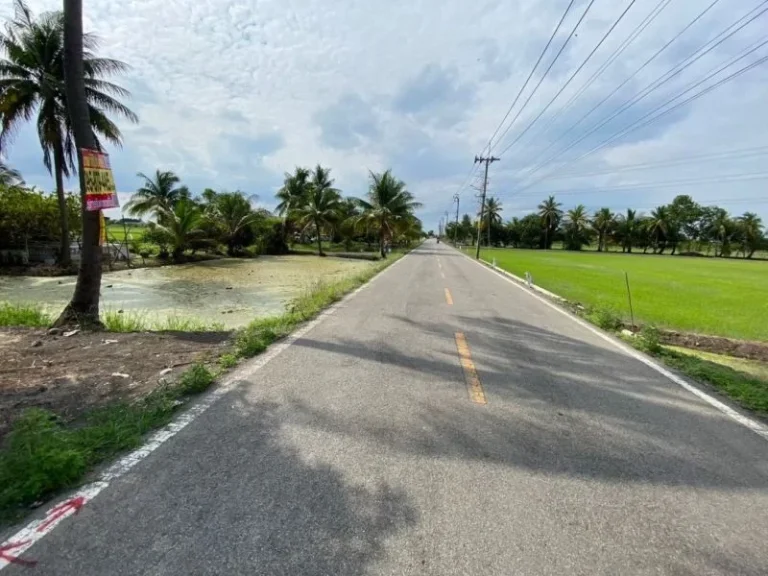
x: 195, y: 380
x: 650, y: 339
x: 605, y: 318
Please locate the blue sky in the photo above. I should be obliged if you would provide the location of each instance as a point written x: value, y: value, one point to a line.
x: 232, y: 94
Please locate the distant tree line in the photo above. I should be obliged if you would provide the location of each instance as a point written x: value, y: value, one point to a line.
x: 683, y: 226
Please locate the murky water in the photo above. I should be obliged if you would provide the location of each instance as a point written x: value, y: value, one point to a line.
x: 231, y: 292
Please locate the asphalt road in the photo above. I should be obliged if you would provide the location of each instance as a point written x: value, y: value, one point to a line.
x: 358, y: 450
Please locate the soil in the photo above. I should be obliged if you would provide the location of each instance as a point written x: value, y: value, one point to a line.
x: 717, y: 345
x: 71, y: 374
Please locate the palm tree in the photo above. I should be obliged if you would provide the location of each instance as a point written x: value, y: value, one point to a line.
x: 181, y: 223
x: 233, y: 212
x: 493, y: 210
x: 321, y: 206
x: 9, y: 177
x: 659, y: 226
x: 158, y: 193
x: 603, y: 222
x: 294, y: 190
x: 388, y: 203
x: 751, y: 227
x: 550, y: 214
x: 627, y: 230
x: 32, y: 82
x: 577, y: 228
x: 721, y: 228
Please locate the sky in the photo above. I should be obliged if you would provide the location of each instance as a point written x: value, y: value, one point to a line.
x: 231, y: 95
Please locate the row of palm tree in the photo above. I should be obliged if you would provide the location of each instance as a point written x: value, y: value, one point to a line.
x: 32, y: 90
x: 682, y: 222
x: 308, y: 201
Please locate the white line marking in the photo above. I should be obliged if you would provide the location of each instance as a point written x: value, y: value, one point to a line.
x: 753, y: 425
x: 34, y: 531
x: 442, y: 275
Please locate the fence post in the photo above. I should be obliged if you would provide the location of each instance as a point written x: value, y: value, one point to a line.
x: 629, y: 297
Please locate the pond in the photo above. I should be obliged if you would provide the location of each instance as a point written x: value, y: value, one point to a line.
x: 227, y: 291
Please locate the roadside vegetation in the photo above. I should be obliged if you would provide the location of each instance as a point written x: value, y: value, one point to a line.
x: 682, y: 227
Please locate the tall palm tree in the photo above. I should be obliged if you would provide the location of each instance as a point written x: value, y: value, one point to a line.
x: 9, y: 177
x: 751, y: 227
x: 603, y: 222
x: 294, y: 190
x: 627, y: 230
x: 493, y: 210
x: 550, y: 214
x: 388, y: 203
x: 577, y: 227
x: 320, y: 210
x: 721, y: 228
x: 32, y: 83
x: 658, y: 226
x: 158, y: 193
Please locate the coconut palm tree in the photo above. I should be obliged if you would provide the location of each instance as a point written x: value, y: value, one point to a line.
x: 32, y: 84
x: 493, y: 210
x: 627, y: 230
x: 388, y: 203
x: 321, y: 205
x: 233, y: 212
x: 158, y: 193
x: 603, y: 222
x: 550, y: 214
x: 9, y: 177
x: 293, y: 192
x: 659, y: 225
x: 577, y: 229
x: 181, y: 223
x: 751, y: 229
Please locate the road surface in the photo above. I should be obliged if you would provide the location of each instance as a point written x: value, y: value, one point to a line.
x: 364, y: 448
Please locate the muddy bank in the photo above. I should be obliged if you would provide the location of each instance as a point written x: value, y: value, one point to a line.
x: 69, y: 375
x: 717, y: 345
x: 227, y: 291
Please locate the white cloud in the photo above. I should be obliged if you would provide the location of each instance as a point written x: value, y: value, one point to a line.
x: 231, y: 95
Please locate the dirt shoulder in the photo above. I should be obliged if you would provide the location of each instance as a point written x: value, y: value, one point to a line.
x: 69, y: 375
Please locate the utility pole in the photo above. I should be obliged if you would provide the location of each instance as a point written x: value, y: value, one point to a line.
x: 487, y: 160
x: 456, y: 230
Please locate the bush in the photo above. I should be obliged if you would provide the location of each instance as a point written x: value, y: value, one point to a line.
x: 650, y: 339
x: 195, y: 380
x: 605, y: 318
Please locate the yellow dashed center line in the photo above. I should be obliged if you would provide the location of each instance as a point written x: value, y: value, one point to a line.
x: 474, y: 387
x: 448, y: 297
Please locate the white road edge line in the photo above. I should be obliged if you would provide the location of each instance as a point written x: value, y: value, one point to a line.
x: 33, y: 532
x: 745, y: 421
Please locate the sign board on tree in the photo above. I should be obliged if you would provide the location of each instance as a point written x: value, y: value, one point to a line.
x: 100, y: 193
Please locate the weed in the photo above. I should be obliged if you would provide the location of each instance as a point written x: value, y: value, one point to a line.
x: 650, y: 340
x: 606, y: 318
x: 23, y: 315
x: 124, y: 321
x: 227, y: 361
x: 195, y: 380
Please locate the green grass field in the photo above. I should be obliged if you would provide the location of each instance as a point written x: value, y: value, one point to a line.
x: 704, y: 295
x: 116, y: 232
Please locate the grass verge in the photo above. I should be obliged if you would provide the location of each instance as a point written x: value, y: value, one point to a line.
x: 30, y: 315
x: 43, y: 455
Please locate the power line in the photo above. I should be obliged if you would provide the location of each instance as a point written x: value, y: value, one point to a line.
x: 639, y: 29
x: 742, y: 153
x: 546, y: 72
x: 570, y: 79
x: 640, y: 96
x: 642, y: 122
x: 636, y: 72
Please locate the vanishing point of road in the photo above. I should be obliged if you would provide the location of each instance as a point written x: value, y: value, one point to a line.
x: 441, y: 421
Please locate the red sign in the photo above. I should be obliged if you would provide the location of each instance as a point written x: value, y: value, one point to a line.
x: 100, y: 192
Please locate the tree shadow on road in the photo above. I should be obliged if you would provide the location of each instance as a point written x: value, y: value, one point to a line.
x: 557, y: 406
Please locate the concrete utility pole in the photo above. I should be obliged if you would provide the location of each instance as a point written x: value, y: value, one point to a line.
x: 456, y: 230
x: 487, y: 161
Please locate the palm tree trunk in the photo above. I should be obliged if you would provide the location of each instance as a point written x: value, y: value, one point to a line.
x: 65, y: 256
x: 319, y: 240
x: 83, y: 309
x: 381, y: 238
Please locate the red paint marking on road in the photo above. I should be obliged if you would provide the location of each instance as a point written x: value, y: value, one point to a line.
x: 66, y: 508
x: 4, y: 555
